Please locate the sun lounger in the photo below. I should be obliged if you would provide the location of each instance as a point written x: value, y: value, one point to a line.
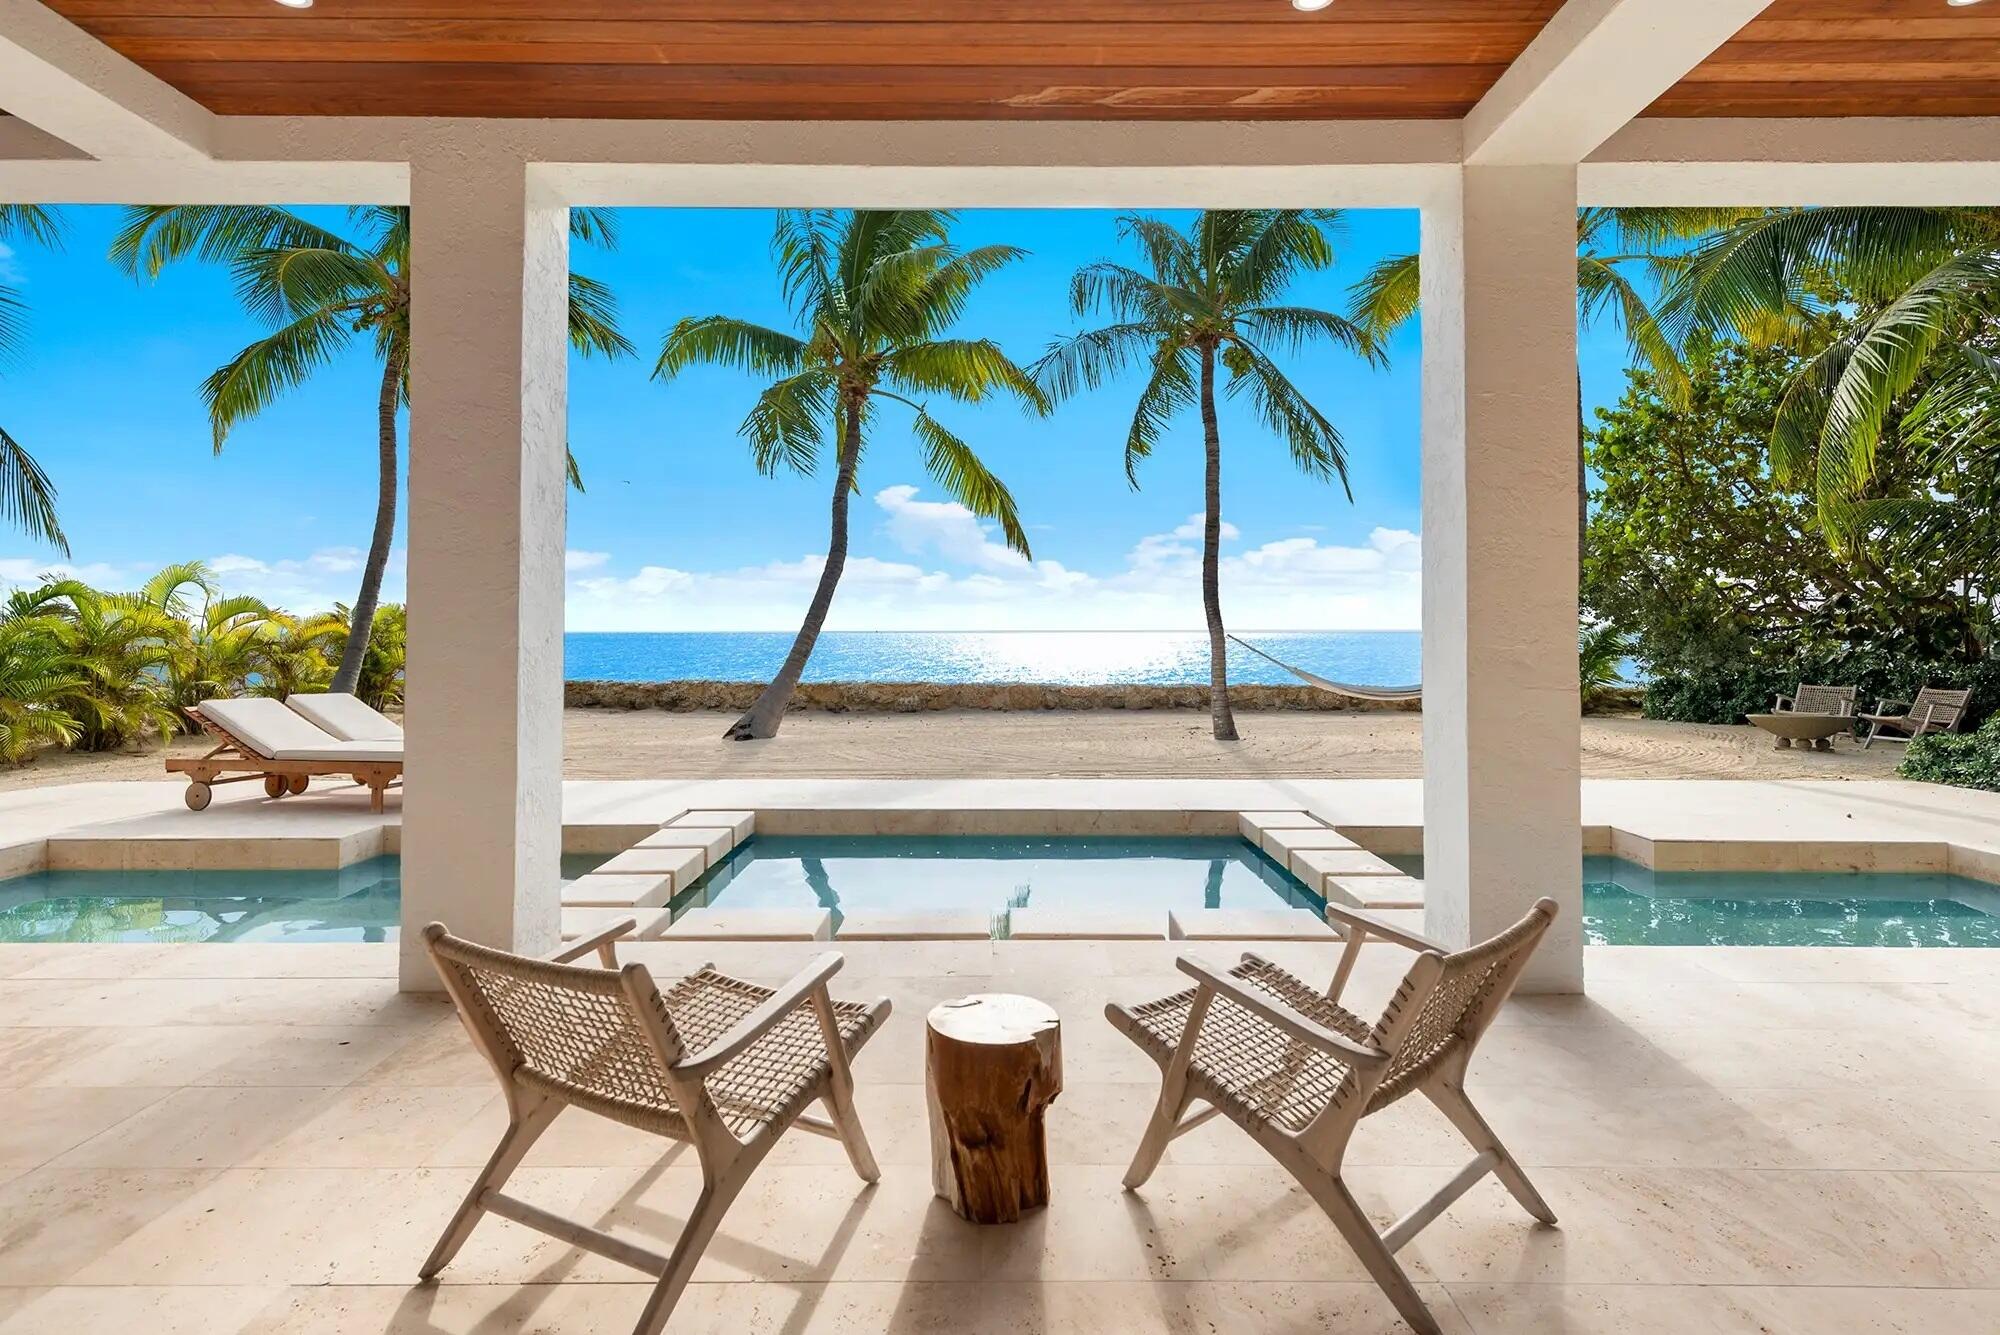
x: 347, y: 717
x: 260, y: 738
x: 1933, y: 710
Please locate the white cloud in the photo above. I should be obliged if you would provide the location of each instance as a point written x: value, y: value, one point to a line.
x: 10, y: 271
x: 574, y: 561
x: 966, y: 580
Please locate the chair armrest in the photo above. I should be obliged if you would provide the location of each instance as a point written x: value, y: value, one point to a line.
x: 1270, y: 1008
x: 753, y: 1026
x: 1370, y: 925
x: 1782, y: 703
x: 1883, y: 707
x: 601, y: 941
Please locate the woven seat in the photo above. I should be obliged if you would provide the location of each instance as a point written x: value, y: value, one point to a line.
x: 726, y: 1065
x: 1934, y: 710
x: 1298, y: 1071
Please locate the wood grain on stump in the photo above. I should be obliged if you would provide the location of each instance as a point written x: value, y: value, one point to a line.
x: 992, y: 1066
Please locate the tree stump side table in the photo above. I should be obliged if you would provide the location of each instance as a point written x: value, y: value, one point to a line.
x: 992, y: 1066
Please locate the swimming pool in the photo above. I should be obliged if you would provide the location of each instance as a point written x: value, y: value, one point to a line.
x: 1624, y: 903
x: 889, y: 874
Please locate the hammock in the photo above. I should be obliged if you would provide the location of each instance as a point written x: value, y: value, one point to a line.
x: 1387, y: 694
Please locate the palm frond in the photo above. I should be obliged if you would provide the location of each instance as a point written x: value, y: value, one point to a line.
x: 27, y: 496
x: 1170, y: 388
x: 1295, y: 328
x: 967, y: 480
x: 1093, y: 357
x: 789, y: 423
x: 151, y: 236
x: 593, y: 320
x: 1314, y: 442
x: 721, y: 340
x: 1385, y: 298
x: 969, y: 370
x: 282, y: 360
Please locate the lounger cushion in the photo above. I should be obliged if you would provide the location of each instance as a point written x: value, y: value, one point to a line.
x: 346, y: 717
x: 371, y: 751
x: 265, y: 725
x: 276, y: 733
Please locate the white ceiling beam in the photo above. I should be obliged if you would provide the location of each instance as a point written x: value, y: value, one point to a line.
x: 1857, y: 160
x: 1593, y: 68
x: 56, y: 76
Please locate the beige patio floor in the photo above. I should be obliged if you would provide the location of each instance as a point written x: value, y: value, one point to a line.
x: 265, y: 1139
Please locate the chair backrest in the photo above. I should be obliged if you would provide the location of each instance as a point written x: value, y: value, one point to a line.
x: 264, y: 726
x: 1824, y: 700
x: 1945, y: 708
x: 590, y: 1036
x: 1456, y: 996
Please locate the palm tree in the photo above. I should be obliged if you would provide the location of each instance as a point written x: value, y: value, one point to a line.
x: 1212, y: 296
x: 872, y: 291
x: 39, y: 681
x: 1649, y: 240
x: 1922, y: 285
x: 27, y: 497
x: 318, y: 290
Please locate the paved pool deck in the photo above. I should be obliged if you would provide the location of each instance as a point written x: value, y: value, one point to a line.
x: 265, y: 1140
x: 1674, y: 824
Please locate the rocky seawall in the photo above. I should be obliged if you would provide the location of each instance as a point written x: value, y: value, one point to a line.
x: 916, y: 697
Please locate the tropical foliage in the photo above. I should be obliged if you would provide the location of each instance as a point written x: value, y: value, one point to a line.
x: 873, y: 292
x: 1211, y: 297
x: 27, y: 497
x: 1969, y: 761
x: 96, y: 669
x: 318, y: 291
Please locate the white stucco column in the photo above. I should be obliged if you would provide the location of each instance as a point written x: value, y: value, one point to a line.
x: 482, y: 806
x: 1502, y: 734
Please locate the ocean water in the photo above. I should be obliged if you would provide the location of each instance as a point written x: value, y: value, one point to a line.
x: 1067, y: 658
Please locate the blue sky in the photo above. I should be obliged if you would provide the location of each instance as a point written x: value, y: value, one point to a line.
x: 676, y: 530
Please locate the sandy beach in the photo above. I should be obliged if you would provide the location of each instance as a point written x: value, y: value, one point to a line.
x: 608, y: 744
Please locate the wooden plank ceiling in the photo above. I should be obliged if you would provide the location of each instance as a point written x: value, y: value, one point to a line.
x: 836, y: 59
x: 1850, y: 58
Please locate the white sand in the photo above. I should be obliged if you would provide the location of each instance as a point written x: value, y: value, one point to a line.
x: 605, y: 744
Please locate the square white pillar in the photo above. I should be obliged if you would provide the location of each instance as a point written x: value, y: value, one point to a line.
x: 1502, y: 720
x: 482, y: 806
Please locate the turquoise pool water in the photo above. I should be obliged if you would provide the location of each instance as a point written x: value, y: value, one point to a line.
x: 1624, y: 904
x: 908, y: 875
x: 356, y: 903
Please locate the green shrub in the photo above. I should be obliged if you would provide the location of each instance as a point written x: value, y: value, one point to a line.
x: 1725, y: 692
x: 1968, y: 760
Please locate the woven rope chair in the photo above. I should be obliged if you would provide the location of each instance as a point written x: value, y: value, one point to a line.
x: 1933, y: 710
x: 1817, y: 700
x: 1296, y: 1070
x: 722, y: 1063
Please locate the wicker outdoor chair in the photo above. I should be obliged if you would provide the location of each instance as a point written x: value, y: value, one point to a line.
x: 1933, y: 710
x: 1297, y: 1071
x: 725, y: 1064
x: 1817, y: 700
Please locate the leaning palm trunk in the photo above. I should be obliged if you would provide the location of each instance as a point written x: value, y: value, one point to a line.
x: 361, y: 625
x: 1219, y: 714
x: 764, y: 717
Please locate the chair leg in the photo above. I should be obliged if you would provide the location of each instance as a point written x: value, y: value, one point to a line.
x: 1167, y: 1114
x: 1452, y: 1102
x: 716, y: 1198
x: 839, y: 1101
x: 514, y: 1145
x: 1347, y: 1216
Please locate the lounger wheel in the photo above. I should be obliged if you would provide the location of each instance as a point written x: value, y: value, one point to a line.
x: 274, y: 785
x: 298, y: 784
x: 198, y: 795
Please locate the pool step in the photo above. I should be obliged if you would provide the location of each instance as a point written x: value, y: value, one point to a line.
x: 1042, y: 924
x: 740, y: 824
x: 578, y: 923
x: 619, y: 891
x: 1375, y: 892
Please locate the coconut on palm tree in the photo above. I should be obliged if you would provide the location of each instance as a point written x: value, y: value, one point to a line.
x: 873, y: 292
x: 1211, y: 300
x: 318, y: 291
x: 27, y: 497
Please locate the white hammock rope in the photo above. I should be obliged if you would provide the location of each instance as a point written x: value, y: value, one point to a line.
x: 1395, y: 694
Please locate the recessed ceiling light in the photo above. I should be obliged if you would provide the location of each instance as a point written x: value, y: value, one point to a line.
x: 296, y: 4
x: 1961, y: 4
x: 1308, y: 6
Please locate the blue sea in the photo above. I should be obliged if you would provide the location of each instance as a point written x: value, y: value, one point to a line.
x: 1068, y: 658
